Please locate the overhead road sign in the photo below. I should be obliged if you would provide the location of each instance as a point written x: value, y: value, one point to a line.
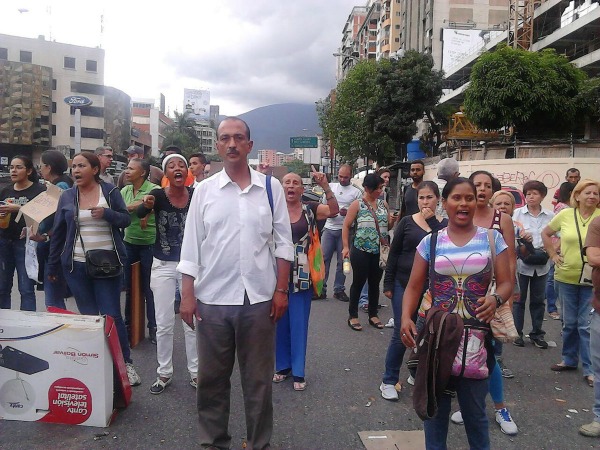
x: 304, y: 142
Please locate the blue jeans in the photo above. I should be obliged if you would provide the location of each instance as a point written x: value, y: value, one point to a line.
x: 532, y: 287
x: 396, y: 349
x: 144, y: 255
x: 576, y: 306
x: 55, y: 292
x: 331, y: 242
x: 595, y: 356
x: 551, y: 296
x: 98, y: 296
x: 471, y: 396
x: 364, y: 295
x: 12, y: 256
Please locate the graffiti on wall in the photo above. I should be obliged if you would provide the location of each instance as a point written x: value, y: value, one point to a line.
x: 518, y: 178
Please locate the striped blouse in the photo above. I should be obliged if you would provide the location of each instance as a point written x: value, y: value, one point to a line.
x: 94, y: 232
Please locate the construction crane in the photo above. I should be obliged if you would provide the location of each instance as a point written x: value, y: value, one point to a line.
x: 520, y: 23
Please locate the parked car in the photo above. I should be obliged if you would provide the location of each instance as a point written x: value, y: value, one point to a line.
x: 517, y: 194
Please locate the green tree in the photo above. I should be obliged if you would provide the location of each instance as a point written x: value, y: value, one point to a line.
x: 408, y: 90
x: 297, y: 166
x: 347, y: 123
x: 183, y: 134
x: 536, y: 92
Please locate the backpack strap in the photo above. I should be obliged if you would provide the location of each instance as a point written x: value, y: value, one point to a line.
x: 270, y: 192
x: 432, y: 246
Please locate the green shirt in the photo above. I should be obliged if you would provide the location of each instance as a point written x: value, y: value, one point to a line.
x: 134, y: 233
x: 564, y: 222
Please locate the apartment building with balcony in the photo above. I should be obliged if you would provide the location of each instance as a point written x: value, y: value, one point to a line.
x: 347, y: 55
x: 46, y: 72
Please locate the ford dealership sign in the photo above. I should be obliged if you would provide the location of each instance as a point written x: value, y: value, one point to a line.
x: 77, y: 100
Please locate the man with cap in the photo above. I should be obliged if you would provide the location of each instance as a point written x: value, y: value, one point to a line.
x: 135, y: 151
x: 447, y: 169
x: 105, y: 155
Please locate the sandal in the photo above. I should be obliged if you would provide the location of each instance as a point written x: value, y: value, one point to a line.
x: 554, y: 315
x: 299, y: 385
x: 279, y: 377
x: 159, y: 386
x: 589, y: 379
x: 355, y: 326
x: 377, y: 324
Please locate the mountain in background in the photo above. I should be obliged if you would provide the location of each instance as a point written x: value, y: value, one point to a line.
x: 272, y: 126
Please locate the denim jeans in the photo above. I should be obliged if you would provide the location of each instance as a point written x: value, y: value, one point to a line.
x: 98, y: 296
x: 364, y: 295
x: 576, y: 306
x: 143, y: 255
x: 532, y: 288
x: 12, y: 256
x: 331, y: 242
x: 471, y: 396
x: 55, y: 292
x: 396, y: 349
x: 551, y: 296
x: 365, y: 266
x: 595, y: 356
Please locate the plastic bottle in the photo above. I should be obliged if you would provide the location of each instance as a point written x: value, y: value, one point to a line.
x: 346, y: 266
x: 5, y: 218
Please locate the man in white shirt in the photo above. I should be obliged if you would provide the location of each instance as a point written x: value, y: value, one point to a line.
x: 532, y: 273
x: 235, y: 286
x: 331, y: 239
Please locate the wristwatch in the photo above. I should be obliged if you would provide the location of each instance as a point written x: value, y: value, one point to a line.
x: 499, y: 300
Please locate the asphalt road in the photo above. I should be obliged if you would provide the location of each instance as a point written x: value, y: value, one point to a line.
x: 343, y: 374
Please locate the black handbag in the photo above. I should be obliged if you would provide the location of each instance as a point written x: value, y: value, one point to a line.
x: 536, y: 256
x: 101, y: 264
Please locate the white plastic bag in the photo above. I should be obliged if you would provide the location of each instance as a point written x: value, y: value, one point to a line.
x: 31, y: 262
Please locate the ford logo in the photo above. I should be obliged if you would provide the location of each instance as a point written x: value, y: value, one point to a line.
x: 77, y: 100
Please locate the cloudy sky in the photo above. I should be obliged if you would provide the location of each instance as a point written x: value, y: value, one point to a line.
x: 248, y: 53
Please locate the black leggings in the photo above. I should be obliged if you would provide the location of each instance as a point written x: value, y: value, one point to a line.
x: 365, y: 267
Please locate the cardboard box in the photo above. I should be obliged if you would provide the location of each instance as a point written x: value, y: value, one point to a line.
x: 40, y: 207
x: 58, y: 368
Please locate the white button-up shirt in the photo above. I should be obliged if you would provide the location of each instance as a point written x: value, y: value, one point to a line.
x: 534, y: 225
x: 228, y: 240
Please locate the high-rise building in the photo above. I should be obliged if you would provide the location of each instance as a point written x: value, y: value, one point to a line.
x: 149, y: 120
x: 347, y: 55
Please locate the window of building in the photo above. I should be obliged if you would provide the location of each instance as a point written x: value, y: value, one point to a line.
x: 53, y: 107
x: 53, y: 84
x: 3, y: 53
x: 69, y: 62
x: 53, y: 130
x: 91, y: 65
x: 90, y: 111
x: 92, y: 133
x: 87, y: 88
x: 25, y: 56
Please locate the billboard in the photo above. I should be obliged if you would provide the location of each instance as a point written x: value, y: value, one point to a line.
x: 198, y: 102
x: 460, y: 44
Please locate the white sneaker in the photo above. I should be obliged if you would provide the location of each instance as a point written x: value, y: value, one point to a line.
x: 457, y: 418
x: 411, y: 380
x: 134, y: 378
x: 390, y: 323
x: 388, y: 391
x: 506, y: 423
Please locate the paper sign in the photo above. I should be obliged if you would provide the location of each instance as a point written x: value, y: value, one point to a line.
x: 40, y: 207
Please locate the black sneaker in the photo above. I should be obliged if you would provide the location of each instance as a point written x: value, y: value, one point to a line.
x: 539, y: 342
x: 323, y: 296
x: 341, y: 296
x: 519, y: 342
x: 505, y: 371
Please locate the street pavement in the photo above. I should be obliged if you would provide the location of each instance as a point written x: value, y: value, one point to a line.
x: 342, y: 398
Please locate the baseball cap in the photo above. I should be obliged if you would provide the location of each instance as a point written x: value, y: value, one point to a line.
x: 135, y: 149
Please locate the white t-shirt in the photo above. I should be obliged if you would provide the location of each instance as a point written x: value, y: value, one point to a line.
x: 344, y: 195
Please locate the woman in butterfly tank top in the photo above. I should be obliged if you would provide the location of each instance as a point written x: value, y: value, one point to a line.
x: 461, y: 275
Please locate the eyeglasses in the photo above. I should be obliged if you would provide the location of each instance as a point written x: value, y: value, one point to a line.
x: 108, y: 156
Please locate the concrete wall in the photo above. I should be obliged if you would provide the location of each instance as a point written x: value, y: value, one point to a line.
x: 516, y: 172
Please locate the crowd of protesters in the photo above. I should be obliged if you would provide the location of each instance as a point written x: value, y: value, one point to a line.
x: 455, y: 237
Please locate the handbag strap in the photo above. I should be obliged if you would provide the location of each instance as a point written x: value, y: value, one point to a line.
x: 432, y: 245
x: 492, y: 243
x: 381, y: 240
x: 579, y: 236
x: 79, y: 224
